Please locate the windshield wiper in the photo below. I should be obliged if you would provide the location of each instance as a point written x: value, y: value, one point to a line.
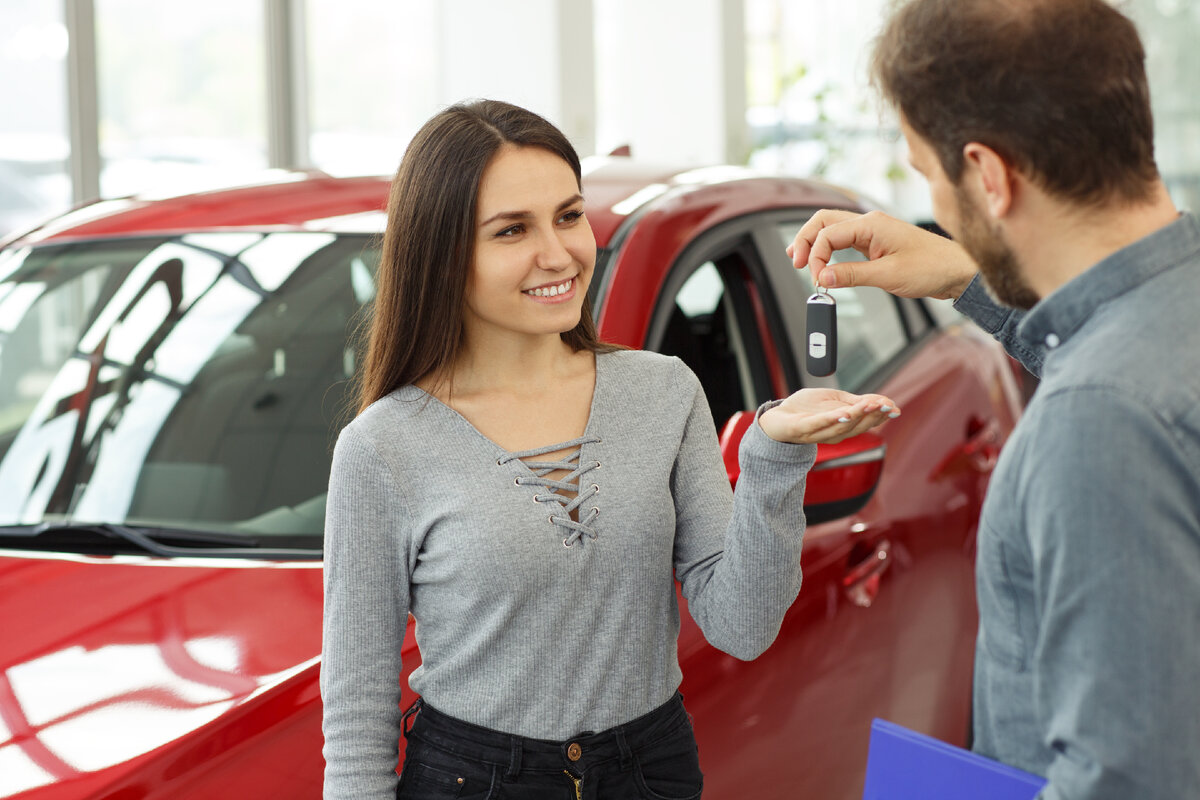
x: 167, y: 542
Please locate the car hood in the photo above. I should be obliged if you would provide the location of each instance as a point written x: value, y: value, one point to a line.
x: 107, y: 663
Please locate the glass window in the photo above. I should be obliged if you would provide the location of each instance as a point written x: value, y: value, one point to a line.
x: 810, y: 108
x: 182, y: 95
x: 195, y: 382
x: 34, y: 147
x: 372, y: 81
x: 870, y: 331
x: 1168, y: 29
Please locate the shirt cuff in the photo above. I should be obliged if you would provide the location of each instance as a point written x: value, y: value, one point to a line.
x: 977, y: 304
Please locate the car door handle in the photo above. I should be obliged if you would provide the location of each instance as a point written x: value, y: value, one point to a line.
x: 982, y: 448
x: 861, y: 581
x: 978, y: 451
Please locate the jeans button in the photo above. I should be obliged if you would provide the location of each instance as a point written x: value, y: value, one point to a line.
x: 574, y: 751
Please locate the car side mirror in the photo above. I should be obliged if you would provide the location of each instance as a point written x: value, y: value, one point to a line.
x: 841, y: 481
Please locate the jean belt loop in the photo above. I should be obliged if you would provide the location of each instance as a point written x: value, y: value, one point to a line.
x: 406, y: 719
x: 623, y: 746
x: 514, y: 762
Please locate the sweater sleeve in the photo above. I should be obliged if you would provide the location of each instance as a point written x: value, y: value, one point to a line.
x: 737, y: 558
x: 366, y: 611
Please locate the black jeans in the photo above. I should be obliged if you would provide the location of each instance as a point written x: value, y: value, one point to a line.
x: 652, y: 757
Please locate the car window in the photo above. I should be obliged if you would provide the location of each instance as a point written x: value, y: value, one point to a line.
x: 706, y: 317
x: 192, y: 382
x: 870, y: 329
x: 40, y: 323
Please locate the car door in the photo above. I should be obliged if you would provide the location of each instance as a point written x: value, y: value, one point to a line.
x: 884, y: 623
x: 716, y: 313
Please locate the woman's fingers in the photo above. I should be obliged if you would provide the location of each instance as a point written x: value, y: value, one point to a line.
x: 816, y: 416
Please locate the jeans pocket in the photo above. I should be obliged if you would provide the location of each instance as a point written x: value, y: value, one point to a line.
x: 439, y: 776
x: 670, y: 769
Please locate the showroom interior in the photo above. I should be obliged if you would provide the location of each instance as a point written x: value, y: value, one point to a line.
x: 112, y: 97
x: 193, y: 229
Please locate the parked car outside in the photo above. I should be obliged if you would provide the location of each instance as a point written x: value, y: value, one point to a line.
x: 173, y: 375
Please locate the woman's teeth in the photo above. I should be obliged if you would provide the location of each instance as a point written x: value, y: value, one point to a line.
x: 551, y: 291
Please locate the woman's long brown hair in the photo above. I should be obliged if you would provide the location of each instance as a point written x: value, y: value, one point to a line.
x: 414, y: 327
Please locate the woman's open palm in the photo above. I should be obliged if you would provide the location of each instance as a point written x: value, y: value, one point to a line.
x: 823, y: 416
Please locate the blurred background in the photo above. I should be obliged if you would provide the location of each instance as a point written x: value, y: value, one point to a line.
x: 105, y: 98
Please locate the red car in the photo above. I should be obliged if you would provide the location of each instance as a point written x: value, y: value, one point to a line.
x: 173, y: 374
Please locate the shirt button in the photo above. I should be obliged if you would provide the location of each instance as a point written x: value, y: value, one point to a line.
x: 1052, y: 340
x: 574, y: 751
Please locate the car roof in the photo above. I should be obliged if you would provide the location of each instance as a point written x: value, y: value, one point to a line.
x: 615, y: 188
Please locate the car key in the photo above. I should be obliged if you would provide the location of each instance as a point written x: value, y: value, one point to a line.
x: 820, y: 339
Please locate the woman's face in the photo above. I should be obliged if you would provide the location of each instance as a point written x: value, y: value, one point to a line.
x: 534, y: 248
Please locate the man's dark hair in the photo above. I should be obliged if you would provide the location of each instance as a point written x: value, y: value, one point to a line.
x: 1056, y: 87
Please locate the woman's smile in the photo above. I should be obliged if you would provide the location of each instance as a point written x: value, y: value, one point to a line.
x: 535, y: 240
x: 552, y: 292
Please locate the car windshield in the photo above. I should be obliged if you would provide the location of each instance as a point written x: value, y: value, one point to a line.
x: 191, y: 383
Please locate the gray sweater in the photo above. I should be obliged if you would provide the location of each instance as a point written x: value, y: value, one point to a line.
x: 518, y: 632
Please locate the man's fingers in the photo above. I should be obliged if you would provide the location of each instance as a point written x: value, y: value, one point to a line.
x: 882, y: 272
x: 814, y: 230
x: 900, y: 258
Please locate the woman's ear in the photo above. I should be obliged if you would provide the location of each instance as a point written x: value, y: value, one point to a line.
x: 994, y: 177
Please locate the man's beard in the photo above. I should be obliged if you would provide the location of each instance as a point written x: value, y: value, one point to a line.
x: 996, y: 260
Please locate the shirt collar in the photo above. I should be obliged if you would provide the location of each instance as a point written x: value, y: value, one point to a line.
x: 1058, y: 315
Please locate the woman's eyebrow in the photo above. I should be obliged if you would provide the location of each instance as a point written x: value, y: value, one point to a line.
x: 517, y: 215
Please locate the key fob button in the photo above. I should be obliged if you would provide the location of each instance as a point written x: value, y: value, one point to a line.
x: 816, y: 345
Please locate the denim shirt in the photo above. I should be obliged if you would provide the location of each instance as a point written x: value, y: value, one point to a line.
x: 1087, y: 666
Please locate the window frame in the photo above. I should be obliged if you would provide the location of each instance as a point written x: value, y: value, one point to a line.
x: 731, y: 248
x: 915, y: 320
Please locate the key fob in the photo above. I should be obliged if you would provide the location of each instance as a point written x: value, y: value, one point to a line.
x: 820, y: 340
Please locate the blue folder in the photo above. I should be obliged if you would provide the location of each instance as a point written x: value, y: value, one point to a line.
x: 906, y: 765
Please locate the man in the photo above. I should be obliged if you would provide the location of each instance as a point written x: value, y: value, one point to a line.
x: 1031, y: 121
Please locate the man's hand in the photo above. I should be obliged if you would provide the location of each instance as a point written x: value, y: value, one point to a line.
x: 902, y: 259
x: 816, y: 416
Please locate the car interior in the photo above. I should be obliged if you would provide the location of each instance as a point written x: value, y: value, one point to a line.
x: 703, y: 331
x: 258, y: 415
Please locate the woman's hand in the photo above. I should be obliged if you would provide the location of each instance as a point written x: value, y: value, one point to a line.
x: 824, y: 416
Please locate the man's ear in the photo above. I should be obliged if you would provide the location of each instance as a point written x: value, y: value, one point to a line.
x: 994, y: 176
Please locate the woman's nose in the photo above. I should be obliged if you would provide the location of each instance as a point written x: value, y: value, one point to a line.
x: 553, y: 253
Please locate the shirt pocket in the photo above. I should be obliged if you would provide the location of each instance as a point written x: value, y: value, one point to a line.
x: 1001, y: 614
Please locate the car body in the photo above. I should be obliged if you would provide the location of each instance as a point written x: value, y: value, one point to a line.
x: 173, y: 374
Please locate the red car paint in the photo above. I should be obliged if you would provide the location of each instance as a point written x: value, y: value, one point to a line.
x: 150, y: 677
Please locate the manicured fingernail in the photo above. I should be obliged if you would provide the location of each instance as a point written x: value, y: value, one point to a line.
x: 893, y: 415
x: 829, y: 279
x: 843, y: 419
x: 885, y: 409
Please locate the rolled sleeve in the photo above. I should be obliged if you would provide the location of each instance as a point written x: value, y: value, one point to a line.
x: 1001, y: 322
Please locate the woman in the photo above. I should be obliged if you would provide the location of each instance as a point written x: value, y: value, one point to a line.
x: 530, y: 494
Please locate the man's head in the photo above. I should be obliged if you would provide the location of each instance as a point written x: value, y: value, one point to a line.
x: 1056, y: 87
x: 1051, y: 90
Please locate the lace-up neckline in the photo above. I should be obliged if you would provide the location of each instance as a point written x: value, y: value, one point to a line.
x: 571, y: 482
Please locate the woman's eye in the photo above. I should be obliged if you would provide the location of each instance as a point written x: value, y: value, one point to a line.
x: 570, y: 216
x: 511, y: 230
